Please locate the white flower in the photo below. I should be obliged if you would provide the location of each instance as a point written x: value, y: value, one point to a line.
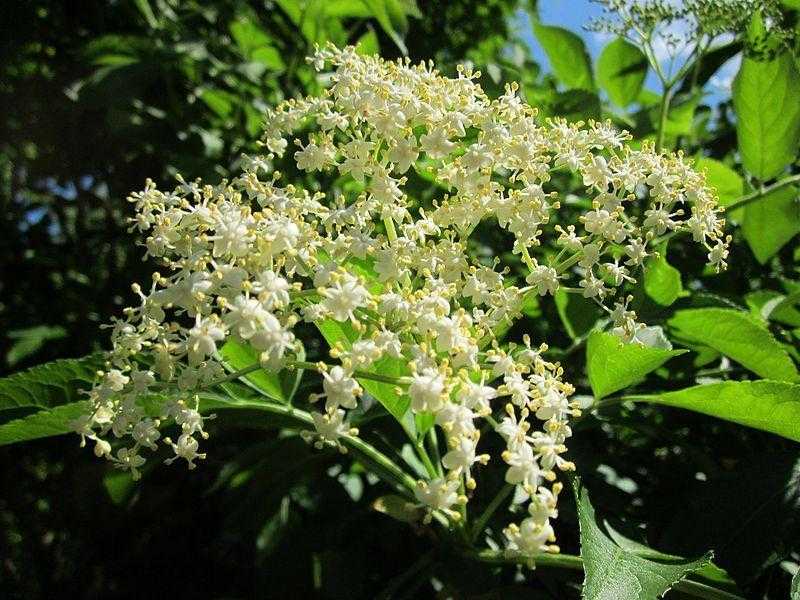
x: 345, y: 296
x: 427, y: 391
x: 438, y: 494
x: 340, y: 389
x: 203, y: 338
x: 544, y: 279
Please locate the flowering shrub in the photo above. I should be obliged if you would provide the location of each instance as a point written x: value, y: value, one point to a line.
x: 417, y: 311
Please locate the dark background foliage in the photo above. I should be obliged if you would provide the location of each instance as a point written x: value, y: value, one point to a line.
x: 99, y: 95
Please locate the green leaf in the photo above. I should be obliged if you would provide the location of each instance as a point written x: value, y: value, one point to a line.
x: 220, y: 101
x: 662, y: 281
x: 612, y: 365
x: 278, y: 386
x: 621, y: 71
x: 613, y: 573
x: 738, y: 335
x: 794, y: 593
x: 392, y: 17
x: 772, y: 406
x: 765, y: 96
x: 774, y: 306
x: 249, y: 36
x: 44, y: 423
x: 567, y: 55
x: 49, y: 385
x: 147, y: 13
x: 30, y: 340
x: 578, y: 314
x: 771, y: 221
x: 710, y: 574
x: 269, y: 57
x: 336, y: 332
x: 680, y: 117
x: 368, y: 44
x: 725, y: 181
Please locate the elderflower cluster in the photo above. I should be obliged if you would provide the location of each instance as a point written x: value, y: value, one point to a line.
x: 248, y: 259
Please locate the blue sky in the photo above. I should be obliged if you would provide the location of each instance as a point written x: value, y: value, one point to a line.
x: 575, y: 14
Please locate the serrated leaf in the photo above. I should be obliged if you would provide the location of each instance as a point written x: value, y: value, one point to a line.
x: 567, y: 55
x: 44, y: 423
x: 771, y: 221
x: 621, y: 71
x: 765, y: 96
x: 739, y: 336
x: 278, y: 386
x: 49, y: 385
x: 613, y: 573
x: 772, y: 406
x: 612, y: 364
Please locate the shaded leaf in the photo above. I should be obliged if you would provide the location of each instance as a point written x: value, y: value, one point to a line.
x: 49, y: 385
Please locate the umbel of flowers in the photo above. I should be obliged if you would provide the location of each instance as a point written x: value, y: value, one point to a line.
x: 248, y: 259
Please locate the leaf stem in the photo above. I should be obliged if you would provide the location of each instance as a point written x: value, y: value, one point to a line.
x: 758, y: 194
x: 499, y: 498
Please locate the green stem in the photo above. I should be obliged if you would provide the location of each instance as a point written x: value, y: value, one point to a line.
x: 234, y: 375
x: 383, y: 467
x: 358, y: 374
x: 575, y: 563
x: 758, y: 194
x: 499, y: 498
x: 572, y: 260
x: 666, y: 98
x: 433, y: 445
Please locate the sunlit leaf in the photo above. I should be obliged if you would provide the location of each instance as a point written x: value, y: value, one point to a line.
x: 771, y: 221
x: 772, y: 406
x: 738, y: 335
x: 567, y: 55
x: 765, y: 96
x: 621, y: 71
x: 612, y: 364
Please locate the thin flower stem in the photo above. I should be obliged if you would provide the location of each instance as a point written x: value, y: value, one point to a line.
x: 572, y: 260
x: 302, y: 364
x: 433, y: 444
x: 758, y: 194
x: 499, y: 498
